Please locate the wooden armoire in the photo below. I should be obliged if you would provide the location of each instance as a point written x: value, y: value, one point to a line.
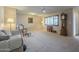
x: 63, y: 24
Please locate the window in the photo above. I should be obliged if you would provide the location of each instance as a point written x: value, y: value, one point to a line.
x: 52, y: 20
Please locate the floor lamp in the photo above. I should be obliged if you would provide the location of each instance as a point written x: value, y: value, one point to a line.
x: 10, y: 21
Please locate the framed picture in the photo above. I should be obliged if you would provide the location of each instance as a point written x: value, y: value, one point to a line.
x: 30, y: 20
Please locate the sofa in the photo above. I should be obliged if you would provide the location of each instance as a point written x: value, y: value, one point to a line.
x: 13, y: 43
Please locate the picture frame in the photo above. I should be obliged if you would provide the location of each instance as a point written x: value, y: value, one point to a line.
x: 30, y: 19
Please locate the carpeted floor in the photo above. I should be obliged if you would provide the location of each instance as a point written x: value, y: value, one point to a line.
x: 49, y: 42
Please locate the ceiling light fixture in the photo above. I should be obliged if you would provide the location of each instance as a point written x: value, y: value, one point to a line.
x: 43, y: 10
x: 32, y: 13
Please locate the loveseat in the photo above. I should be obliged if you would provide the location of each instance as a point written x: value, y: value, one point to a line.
x: 13, y: 43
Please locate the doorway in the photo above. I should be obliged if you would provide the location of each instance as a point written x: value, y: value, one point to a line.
x: 76, y: 22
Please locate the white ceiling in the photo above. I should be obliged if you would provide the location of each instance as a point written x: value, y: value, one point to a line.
x: 38, y: 9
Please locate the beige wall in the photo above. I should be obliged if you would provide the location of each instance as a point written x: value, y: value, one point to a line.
x: 9, y: 13
x: 1, y: 14
x: 1, y: 17
x: 35, y: 26
x: 69, y: 21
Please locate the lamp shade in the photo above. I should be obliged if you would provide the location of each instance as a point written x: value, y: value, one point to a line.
x: 10, y: 20
x: 1, y: 26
